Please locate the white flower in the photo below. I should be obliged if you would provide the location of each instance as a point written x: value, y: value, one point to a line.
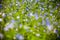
x: 18, y: 17
x: 3, y: 15
x: 1, y: 19
x: 37, y: 34
x: 16, y: 29
x: 0, y: 13
x: 30, y: 14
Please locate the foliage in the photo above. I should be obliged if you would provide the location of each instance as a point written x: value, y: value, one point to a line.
x: 30, y: 20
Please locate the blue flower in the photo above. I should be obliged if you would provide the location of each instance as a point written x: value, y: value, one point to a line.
x: 47, y: 22
x: 12, y: 21
x: 19, y: 37
x: 37, y: 0
x: 36, y: 16
x: 0, y: 5
x: 27, y: 8
x: 50, y: 27
x: 42, y: 9
x: 55, y: 31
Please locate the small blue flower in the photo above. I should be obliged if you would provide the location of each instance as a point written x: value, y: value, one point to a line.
x: 37, y: 0
x: 0, y: 5
x: 47, y: 22
x: 36, y: 16
x: 27, y: 8
x: 19, y: 37
x: 12, y: 21
x: 55, y: 31
x: 42, y: 9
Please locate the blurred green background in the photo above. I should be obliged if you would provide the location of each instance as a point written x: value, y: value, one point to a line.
x: 29, y: 19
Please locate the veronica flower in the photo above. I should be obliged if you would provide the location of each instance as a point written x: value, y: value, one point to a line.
x: 0, y: 5
x: 55, y: 31
x: 37, y: 0
x: 30, y: 14
x: 19, y: 37
x: 27, y: 8
x: 50, y: 27
x: 36, y: 16
x: 12, y: 21
x: 6, y: 29
x: 11, y: 25
x: 42, y: 9
x: 47, y: 22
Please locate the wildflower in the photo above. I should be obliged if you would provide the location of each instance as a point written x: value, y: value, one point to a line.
x: 1, y: 19
x: 47, y: 22
x: 50, y: 27
x: 19, y: 37
x: 0, y: 5
x: 12, y: 21
x: 37, y: 35
x: 18, y: 17
x: 8, y: 26
x: 36, y: 16
x: 55, y: 31
x: 3, y: 15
